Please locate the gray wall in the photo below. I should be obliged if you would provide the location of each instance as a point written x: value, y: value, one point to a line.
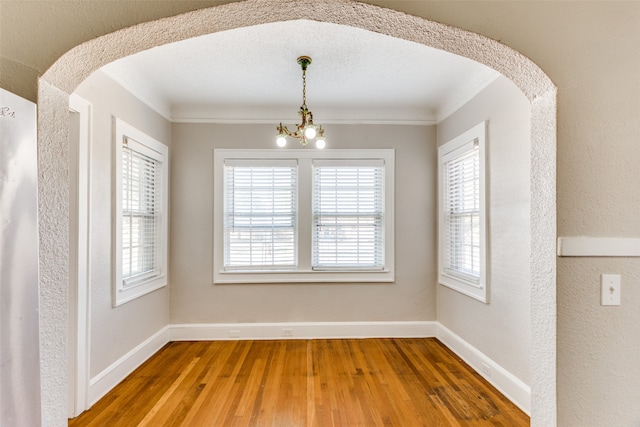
x: 115, y: 331
x: 194, y: 299
x: 500, y: 329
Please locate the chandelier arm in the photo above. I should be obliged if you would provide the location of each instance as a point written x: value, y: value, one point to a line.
x: 284, y: 130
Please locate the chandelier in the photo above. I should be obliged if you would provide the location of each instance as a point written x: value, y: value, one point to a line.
x: 306, y: 131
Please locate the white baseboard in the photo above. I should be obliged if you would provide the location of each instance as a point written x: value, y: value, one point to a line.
x: 302, y: 330
x: 513, y: 388
x: 102, y: 383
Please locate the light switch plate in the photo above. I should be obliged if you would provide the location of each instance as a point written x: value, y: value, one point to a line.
x: 610, y: 289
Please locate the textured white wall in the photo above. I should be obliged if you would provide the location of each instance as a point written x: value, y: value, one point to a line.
x: 115, y: 331
x: 194, y: 299
x: 502, y: 328
x: 77, y: 64
x: 53, y: 229
x: 599, y: 364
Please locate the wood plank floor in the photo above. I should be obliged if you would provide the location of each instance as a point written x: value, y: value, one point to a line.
x: 363, y: 382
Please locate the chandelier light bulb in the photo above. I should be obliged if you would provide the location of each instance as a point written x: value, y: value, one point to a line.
x: 320, y: 143
x: 281, y: 141
x: 310, y: 132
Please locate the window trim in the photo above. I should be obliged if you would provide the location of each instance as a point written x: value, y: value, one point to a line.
x: 456, y: 148
x: 122, y: 294
x: 304, y: 273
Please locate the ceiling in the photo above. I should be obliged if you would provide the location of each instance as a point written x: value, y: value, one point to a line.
x: 251, y: 75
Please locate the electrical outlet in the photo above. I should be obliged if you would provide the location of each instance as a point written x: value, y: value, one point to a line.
x: 486, y: 370
x: 287, y: 332
x: 610, y: 289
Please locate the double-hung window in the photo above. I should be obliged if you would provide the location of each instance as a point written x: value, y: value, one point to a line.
x: 140, y: 202
x: 303, y: 216
x: 260, y: 218
x: 462, y: 214
x: 348, y: 214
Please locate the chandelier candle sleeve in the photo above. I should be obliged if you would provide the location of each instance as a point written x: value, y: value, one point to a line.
x: 306, y: 131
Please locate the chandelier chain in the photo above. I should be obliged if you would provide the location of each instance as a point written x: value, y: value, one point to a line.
x: 304, y: 88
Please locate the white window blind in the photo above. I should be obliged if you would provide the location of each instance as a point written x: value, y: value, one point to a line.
x: 462, y: 215
x: 348, y: 214
x: 141, y: 213
x: 260, y: 214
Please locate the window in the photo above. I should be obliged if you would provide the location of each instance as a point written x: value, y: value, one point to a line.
x: 348, y: 214
x: 140, y: 202
x: 462, y: 214
x: 260, y: 215
x: 303, y: 216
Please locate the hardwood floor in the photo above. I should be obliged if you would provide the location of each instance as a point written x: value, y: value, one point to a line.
x: 364, y: 382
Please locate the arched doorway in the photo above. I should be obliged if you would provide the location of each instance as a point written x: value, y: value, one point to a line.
x: 71, y: 69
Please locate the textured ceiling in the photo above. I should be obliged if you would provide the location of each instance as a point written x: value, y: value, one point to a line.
x: 251, y: 75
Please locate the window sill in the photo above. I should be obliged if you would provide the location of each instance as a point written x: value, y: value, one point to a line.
x: 123, y: 295
x: 473, y: 290
x: 315, y: 276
